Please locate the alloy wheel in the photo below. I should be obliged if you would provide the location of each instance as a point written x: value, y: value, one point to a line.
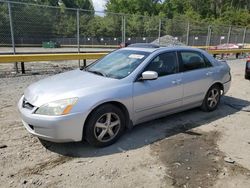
x: 213, y: 97
x: 107, y: 127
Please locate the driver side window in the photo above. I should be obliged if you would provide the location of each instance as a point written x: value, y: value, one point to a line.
x: 164, y: 64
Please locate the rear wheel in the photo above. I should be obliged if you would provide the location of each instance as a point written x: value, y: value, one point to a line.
x: 105, y: 125
x: 212, y: 99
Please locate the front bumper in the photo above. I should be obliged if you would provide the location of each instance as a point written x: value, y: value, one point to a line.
x: 226, y: 86
x: 65, y: 128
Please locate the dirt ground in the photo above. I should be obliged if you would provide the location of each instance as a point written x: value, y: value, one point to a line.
x: 188, y: 149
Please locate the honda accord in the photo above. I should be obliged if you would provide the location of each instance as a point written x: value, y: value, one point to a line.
x: 129, y: 86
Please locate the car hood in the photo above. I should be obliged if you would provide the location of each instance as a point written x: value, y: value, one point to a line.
x: 70, y: 84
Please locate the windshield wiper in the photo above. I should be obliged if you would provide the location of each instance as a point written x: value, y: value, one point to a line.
x: 97, y: 72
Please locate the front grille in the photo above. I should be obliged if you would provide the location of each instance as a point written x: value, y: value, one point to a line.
x: 27, y: 105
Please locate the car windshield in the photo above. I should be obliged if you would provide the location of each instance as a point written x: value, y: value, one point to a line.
x: 118, y: 64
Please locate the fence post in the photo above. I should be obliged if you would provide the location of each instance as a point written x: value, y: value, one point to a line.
x: 229, y: 34
x: 12, y: 35
x: 244, y: 37
x: 188, y: 29
x: 78, y: 34
x: 123, y: 29
x: 159, y: 35
x: 208, y: 36
x: 22, y: 68
x: 84, y: 63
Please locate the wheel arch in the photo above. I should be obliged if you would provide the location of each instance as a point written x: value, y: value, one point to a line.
x: 204, y: 105
x: 219, y: 84
x: 215, y: 83
x: 115, y: 103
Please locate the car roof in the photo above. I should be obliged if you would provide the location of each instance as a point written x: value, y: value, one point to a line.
x: 141, y: 49
x: 151, y: 50
x: 143, y: 45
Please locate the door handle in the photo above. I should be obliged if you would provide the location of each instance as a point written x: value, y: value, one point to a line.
x: 174, y: 82
x: 209, y: 73
x: 178, y: 81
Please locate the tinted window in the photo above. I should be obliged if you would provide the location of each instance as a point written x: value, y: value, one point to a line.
x: 248, y: 65
x: 208, y: 63
x: 164, y: 64
x: 193, y: 60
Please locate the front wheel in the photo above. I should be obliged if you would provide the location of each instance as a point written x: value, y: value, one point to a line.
x: 105, y: 125
x: 212, y: 99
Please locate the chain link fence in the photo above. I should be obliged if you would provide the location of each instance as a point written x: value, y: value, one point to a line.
x: 28, y: 27
x: 32, y: 28
x: 5, y: 33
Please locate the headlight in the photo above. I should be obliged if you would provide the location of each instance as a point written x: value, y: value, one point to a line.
x: 60, y: 107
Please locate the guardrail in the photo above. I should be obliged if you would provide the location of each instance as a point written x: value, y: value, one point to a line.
x: 56, y: 52
x: 84, y: 56
x: 65, y: 45
x: 229, y: 51
x: 237, y: 52
x: 81, y: 56
x: 49, y: 57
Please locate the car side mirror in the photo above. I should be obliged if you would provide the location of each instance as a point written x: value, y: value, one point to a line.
x: 149, y: 75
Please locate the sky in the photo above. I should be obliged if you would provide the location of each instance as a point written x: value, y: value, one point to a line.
x: 99, y: 5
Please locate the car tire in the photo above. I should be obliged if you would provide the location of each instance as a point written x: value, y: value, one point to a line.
x: 212, y: 99
x: 105, y: 125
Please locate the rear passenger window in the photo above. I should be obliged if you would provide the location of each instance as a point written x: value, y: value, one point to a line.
x: 208, y: 63
x: 193, y: 60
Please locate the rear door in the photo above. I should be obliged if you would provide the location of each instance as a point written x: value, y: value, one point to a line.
x: 197, y: 76
x: 154, y: 97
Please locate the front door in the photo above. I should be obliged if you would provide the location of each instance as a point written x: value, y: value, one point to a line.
x: 152, y: 98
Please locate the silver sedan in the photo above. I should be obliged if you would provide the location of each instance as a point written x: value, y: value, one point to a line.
x: 127, y: 87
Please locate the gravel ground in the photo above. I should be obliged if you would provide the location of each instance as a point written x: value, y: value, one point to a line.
x: 168, y: 40
x: 188, y: 149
